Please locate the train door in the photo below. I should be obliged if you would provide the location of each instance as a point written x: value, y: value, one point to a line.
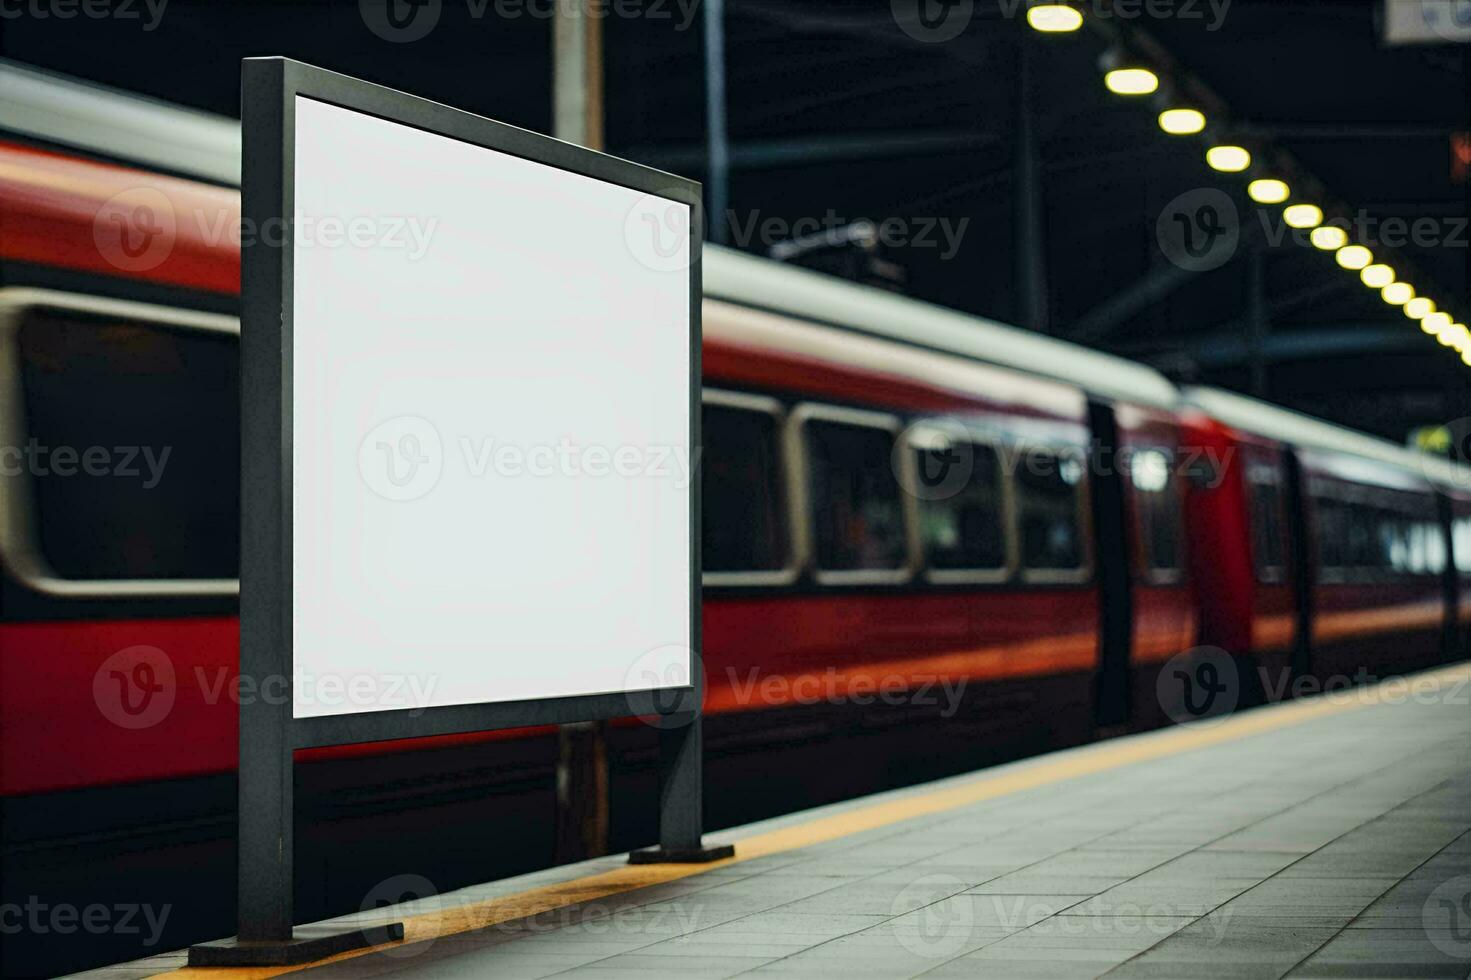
x: 1115, y: 585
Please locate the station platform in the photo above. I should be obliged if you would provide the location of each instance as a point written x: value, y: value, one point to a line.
x: 1326, y: 837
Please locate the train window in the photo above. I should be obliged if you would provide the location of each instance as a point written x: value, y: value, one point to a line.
x: 744, y: 526
x: 1461, y: 543
x: 133, y: 430
x: 1049, y: 508
x: 1331, y: 530
x: 1157, y: 503
x: 963, y: 527
x: 1374, y: 538
x: 856, y: 508
x: 1264, y: 498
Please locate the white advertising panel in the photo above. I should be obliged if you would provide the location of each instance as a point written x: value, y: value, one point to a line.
x: 491, y: 452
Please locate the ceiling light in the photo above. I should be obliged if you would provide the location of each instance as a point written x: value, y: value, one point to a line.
x: 1419, y: 308
x: 1303, y: 215
x: 1329, y: 238
x: 1398, y: 293
x: 1228, y: 159
x: 1435, y: 322
x: 1377, y: 276
x: 1131, y: 81
x: 1355, y: 257
x: 1054, y: 18
x: 1268, y: 191
x: 1182, y: 122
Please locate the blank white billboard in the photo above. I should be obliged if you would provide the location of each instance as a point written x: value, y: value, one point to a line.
x: 491, y: 457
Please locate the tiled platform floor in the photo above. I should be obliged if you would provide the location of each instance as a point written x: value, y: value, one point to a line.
x: 1306, y: 840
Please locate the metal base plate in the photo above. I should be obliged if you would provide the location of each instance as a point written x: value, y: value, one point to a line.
x: 695, y: 855
x: 307, y: 943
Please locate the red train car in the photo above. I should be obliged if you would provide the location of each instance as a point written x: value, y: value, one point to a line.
x: 1352, y: 568
x: 931, y: 542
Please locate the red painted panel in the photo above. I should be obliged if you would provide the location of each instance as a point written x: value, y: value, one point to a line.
x: 97, y: 217
x: 89, y: 703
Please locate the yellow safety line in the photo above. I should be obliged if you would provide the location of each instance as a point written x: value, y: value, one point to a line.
x: 1096, y: 759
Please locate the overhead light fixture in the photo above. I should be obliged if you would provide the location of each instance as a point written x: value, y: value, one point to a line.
x: 1228, y: 159
x: 1466, y: 356
x: 1377, y: 276
x: 1131, y: 81
x: 1268, y: 191
x: 1397, y: 293
x: 1419, y: 308
x: 1054, y: 18
x: 1303, y: 215
x: 1436, y: 322
x: 1355, y: 257
x: 1182, y: 122
x: 1329, y: 238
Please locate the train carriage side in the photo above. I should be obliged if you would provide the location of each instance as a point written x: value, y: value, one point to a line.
x: 1347, y: 527
x: 1242, y: 557
x: 1378, y: 555
x: 1131, y: 463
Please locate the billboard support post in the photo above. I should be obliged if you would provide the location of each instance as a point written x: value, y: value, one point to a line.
x: 287, y: 454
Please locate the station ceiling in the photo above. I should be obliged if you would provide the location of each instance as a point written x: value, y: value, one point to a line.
x: 838, y: 113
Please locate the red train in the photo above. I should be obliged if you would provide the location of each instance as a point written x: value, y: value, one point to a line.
x: 931, y: 542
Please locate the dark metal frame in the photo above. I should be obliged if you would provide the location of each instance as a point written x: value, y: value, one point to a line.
x: 269, y: 732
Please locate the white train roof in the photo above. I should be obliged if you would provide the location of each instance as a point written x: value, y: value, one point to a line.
x: 1306, y: 432
x: 61, y: 110
x: 771, y: 285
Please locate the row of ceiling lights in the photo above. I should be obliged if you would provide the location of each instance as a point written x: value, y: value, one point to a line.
x: 1134, y: 81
